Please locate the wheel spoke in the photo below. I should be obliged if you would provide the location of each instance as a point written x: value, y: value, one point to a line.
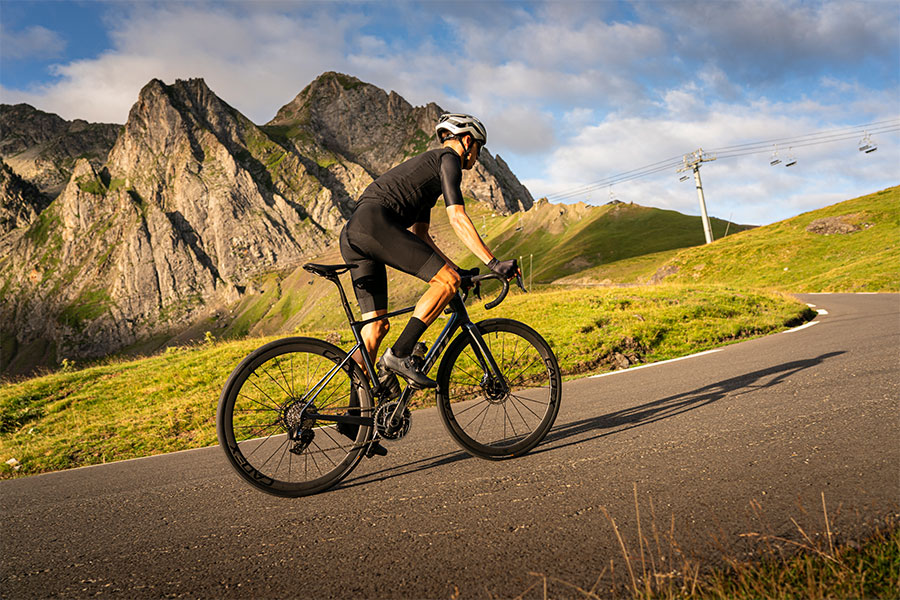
x: 256, y: 415
x: 486, y: 423
x: 525, y: 406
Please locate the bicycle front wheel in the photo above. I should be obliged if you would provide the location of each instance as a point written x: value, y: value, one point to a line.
x: 270, y: 417
x: 499, y: 419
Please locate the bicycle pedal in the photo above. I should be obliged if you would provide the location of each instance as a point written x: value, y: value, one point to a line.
x: 375, y: 448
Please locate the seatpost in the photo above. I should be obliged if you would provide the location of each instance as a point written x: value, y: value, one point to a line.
x: 344, y: 302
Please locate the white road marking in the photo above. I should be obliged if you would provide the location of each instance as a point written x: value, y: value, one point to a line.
x: 810, y: 324
x: 662, y: 362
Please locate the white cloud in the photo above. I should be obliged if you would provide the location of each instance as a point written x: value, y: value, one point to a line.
x: 571, y: 92
x: 256, y: 62
x: 775, y: 39
x: 747, y: 188
x: 33, y: 42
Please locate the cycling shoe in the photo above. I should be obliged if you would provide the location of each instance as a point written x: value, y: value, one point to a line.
x: 408, y: 368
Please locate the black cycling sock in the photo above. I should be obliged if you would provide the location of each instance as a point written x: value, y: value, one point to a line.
x: 403, y: 347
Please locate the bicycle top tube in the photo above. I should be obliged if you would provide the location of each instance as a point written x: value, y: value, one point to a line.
x: 467, y: 282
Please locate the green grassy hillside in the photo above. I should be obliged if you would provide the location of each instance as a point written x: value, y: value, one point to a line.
x: 564, y: 240
x: 131, y: 408
x: 558, y: 240
x: 852, y: 246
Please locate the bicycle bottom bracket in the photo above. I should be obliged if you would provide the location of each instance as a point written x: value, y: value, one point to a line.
x: 389, y: 427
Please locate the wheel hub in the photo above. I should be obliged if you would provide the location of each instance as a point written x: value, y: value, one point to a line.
x: 495, y: 391
x: 299, y: 422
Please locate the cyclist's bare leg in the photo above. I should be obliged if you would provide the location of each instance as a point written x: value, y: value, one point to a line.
x: 372, y: 335
x: 443, y: 286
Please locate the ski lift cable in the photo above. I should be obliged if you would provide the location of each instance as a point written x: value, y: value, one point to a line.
x: 859, y: 129
x: 663, y: 164
x: 607, y: 182
x: 725, y: 152
x: 796, y: 143
x: 842, y: 138
x: 803, y: 142
x: 621, y: 178
x: 638, y: 173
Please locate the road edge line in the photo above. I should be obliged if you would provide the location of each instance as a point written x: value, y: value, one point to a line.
x: 654, y: 364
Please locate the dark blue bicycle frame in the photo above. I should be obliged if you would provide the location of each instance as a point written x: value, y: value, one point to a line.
x: 459, y: 318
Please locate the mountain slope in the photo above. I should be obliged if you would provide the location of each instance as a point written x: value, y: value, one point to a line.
x: 852, y: 246
x: 42, y: 147
x: 192, y: 209
x: 565, y: 241
x: 338, y: 119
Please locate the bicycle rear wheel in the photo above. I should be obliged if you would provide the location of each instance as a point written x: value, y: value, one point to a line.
x: 269, y: 417
x: 493, y: 419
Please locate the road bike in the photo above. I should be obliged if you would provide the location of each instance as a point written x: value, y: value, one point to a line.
x: 298, y: 414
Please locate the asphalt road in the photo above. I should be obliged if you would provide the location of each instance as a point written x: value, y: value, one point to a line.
x: 736, y: 441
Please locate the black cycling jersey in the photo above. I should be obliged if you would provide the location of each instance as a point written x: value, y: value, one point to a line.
x: 411, y: 189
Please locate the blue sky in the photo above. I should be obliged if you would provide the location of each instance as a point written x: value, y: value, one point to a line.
x: 571, y: 92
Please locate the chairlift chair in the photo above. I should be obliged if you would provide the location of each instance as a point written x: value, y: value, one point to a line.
x: 792, y: 160
x: 866, y: 144
x: 775, y: 160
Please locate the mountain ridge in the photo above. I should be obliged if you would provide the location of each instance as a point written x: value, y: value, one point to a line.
x: 192, y: 202
x: 42, y: 147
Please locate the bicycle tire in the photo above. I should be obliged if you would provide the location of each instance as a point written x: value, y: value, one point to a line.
x: 263, y: 398
x: 470, y: 409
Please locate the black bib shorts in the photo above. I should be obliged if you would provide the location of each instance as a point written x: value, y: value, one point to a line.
x: 373, y: 238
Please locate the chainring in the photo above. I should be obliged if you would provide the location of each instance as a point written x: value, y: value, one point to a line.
x: 388, y: 430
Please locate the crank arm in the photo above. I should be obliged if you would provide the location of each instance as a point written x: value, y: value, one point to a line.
x: 349, y: 419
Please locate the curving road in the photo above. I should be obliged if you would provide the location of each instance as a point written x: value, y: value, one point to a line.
x: 735, y: 441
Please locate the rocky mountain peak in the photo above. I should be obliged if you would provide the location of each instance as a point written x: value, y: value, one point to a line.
x: 377, y: 130
x: 42, y: 147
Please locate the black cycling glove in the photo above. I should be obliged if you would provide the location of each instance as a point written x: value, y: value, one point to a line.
x: 467, y: 272
x: 506, y: 268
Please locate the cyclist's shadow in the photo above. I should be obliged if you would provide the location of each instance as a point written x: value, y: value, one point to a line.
x: 621, y: 420
x: 664, y: 408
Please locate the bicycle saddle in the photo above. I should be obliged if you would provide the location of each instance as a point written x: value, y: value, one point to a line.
x: 328, y: 270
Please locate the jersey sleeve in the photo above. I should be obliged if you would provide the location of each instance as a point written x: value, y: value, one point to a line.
x: 451, y: 177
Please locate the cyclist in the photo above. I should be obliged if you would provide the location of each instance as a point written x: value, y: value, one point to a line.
x: 389, y: 226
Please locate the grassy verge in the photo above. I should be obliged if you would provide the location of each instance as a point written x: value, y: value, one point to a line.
x: 805, y: 565
x: 164, y: 403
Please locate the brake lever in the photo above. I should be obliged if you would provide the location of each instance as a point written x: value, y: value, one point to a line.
x: 477, y: 290
x: 521, y: 284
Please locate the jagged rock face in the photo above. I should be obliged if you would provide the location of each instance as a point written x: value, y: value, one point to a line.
x: 192, y: 203
x: 238, y: 199
x: 362, y: 124
x: 64, y: 275
x: 42, y: 147
x: 20, y: 201
x: 194, y: 200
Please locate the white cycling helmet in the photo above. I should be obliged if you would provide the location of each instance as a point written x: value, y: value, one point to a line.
x: 456, y: 124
